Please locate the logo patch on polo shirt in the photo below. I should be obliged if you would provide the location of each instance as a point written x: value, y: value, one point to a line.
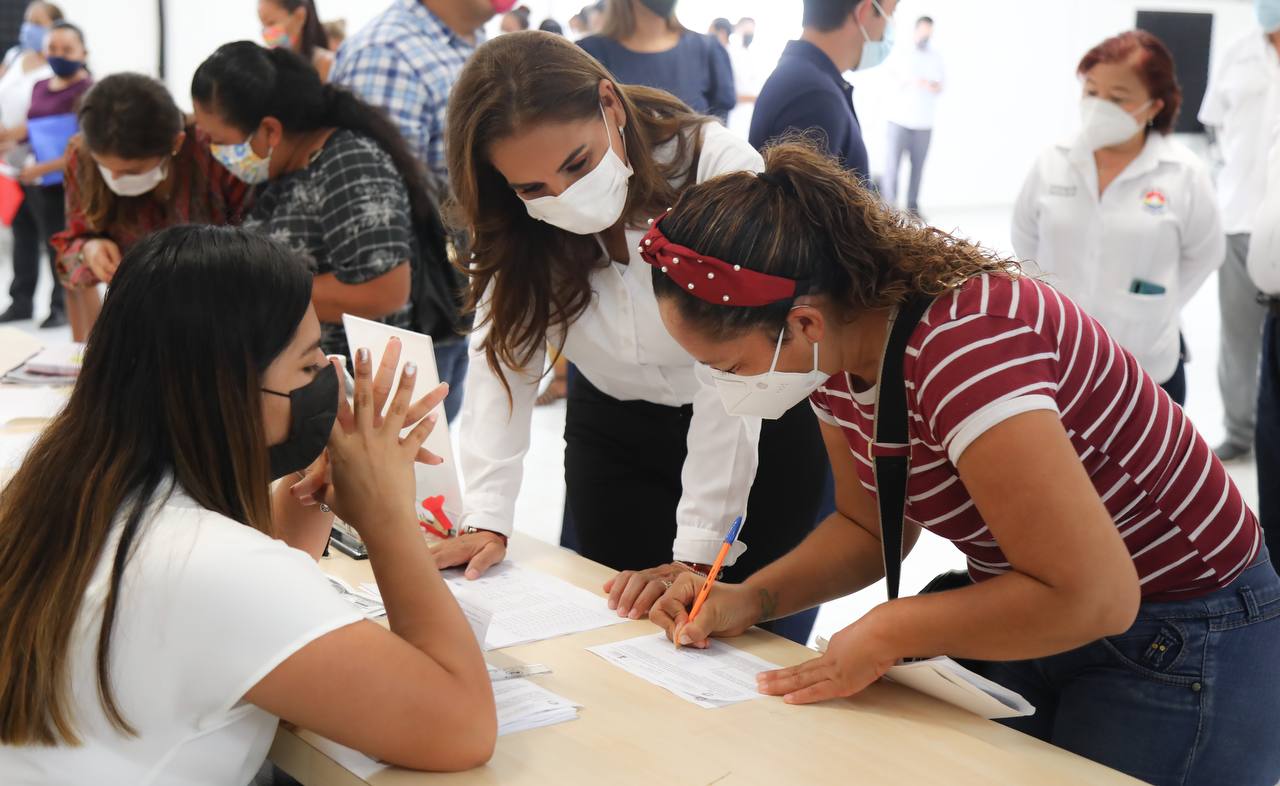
x: 1154, y: 201
x: 1062, y: 191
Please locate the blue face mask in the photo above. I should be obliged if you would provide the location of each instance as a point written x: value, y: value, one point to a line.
x: 63, y: 67
x: 876, y: 52
x: 1268, y: 12
x: 31, y: 36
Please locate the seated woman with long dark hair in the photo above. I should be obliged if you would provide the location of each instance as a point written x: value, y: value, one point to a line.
x: 163, y: 606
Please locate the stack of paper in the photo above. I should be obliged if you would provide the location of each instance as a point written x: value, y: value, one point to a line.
x: 522, y: 705
x: 946, y: 680
x: 715, y: 677
x: 526, y: 605
x: 371, y: 607
x: 58, y: 364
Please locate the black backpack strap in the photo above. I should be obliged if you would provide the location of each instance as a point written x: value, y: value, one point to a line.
x: 890, y: 452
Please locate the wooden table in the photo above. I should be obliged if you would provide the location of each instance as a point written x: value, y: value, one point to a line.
x: 632, y: 732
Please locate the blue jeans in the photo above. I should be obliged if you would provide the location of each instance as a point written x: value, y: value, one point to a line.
x: 1188, y: 696
x: 1267, y: 442
x: 451, y: 362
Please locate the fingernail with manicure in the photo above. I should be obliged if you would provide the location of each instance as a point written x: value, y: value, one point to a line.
x: 684, y: 639
x: 362, y: 355
x: 410, y: 368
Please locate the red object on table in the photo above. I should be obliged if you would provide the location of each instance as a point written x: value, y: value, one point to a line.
x: 435, y: 506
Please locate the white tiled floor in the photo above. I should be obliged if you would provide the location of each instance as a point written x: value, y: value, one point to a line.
x: 540, y: 504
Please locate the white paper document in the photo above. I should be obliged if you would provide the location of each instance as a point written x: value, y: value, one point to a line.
x: 521, y: 704
x: 946, y: 680
x: 368, y: 605
x: 715, y: 677
x: 527, y: 605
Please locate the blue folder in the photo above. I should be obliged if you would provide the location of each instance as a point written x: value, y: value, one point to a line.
x: 49, y: 136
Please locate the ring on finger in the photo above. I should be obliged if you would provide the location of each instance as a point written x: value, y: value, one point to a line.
x: 667, y: 583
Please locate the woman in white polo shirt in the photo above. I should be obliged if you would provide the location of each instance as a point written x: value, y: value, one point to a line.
x: 163, y: 608
x: 1123, y: 219
x: 558, y: 169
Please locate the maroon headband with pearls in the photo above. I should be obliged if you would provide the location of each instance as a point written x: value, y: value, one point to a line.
x: 714, y: 280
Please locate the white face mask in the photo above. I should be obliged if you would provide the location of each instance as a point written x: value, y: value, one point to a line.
x: 771, y: 394
x: 134, y: 185
x: 594, y: 203
x: 1103, y: 123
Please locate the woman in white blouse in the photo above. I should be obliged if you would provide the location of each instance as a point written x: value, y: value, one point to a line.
x: 1123, y: 219
x: 557, y: 170
x: 162, y: 605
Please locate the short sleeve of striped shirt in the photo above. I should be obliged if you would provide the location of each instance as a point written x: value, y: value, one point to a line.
x: 967, y: 374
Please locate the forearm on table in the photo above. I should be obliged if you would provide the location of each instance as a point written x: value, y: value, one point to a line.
x: 372, y: 299
x: 836, y: 559
x: 420, y: 608
x: 1009, y: 617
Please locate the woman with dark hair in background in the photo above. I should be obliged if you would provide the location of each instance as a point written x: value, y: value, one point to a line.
x: 136, y: 167
x: 24, y: 65
x: 557, y: 169
x: 164, y: 611
x: 338, y: 184
x: 1122, y: 218
x: 642, y: 43
x: 295, y: 25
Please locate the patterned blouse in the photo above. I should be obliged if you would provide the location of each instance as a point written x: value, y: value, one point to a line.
x: 200, y: 191
x: 348, y: 213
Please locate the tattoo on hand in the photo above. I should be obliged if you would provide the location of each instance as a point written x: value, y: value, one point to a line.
x: 768, y: 604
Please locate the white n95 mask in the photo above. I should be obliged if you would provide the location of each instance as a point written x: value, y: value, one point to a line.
x: 771, y: 394
x: 1103, y: 123
x: 594, y: 203
x: 134, y: 185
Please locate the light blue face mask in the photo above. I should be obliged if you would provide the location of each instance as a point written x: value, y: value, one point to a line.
x: 876, y: 52
x: 1268, y: 12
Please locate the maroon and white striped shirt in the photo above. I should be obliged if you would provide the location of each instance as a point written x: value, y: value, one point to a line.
x: 999, y: 347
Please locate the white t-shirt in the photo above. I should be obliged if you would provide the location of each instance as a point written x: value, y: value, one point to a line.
x: 1242, y: 102
x: 207, y: 608
x: 1157, y: 223
x: 914, y: 106
x: 15, y: 98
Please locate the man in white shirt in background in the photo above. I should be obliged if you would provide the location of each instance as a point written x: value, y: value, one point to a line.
x: 1237, y: 109
x: 919, y: 77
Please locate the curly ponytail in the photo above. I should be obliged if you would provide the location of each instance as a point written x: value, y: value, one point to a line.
x: 805, y: 217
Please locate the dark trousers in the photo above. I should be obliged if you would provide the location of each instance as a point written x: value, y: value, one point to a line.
x: 622, y: 468
x: 1188, y: 696
x: 1176, y: 385
x: 41, y: 215
x: 451, y: 363
x: 1267, y: 443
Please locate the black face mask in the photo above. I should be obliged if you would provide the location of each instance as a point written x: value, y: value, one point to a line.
x: 312, y: 410
x: 747, y: 38
x: 662, y: 8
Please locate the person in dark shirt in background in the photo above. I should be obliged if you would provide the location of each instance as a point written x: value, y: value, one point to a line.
x: 806, y: 92
x: 642, y: 43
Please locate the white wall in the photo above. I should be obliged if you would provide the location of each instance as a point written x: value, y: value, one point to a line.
x: 1011, y: 86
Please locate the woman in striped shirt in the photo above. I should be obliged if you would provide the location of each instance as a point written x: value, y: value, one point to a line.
x: 1117, y: 578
